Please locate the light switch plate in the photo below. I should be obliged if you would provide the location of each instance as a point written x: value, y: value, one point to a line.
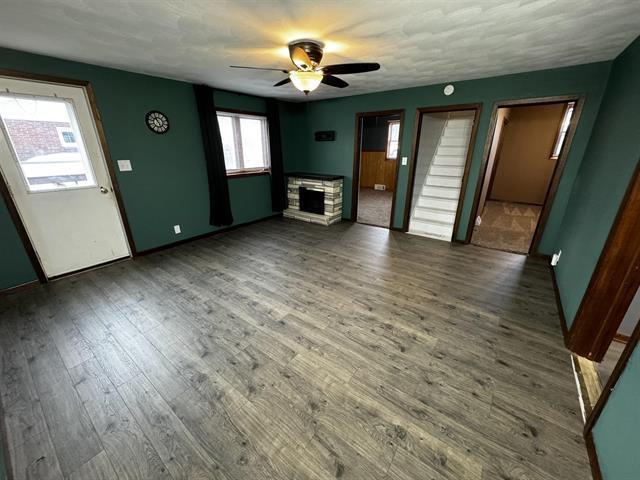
x: 404, y: 160
x: 176, y: 228
x: 124, y: 165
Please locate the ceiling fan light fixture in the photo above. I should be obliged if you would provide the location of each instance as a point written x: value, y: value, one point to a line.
x: 305, y: 81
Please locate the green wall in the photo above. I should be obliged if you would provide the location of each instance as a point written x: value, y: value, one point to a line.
x: 611, y: 157
x: 168, y: 184
x: 339, y: 115
x: 617, y: 432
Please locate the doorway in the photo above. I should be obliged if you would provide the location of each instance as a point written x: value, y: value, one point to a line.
x: 443, y: 147
x: 376, y: 167
x: 527, y: 150
x: 55, y: 173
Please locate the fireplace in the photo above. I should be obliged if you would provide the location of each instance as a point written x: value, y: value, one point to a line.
x: 311, y: 201
x: 314, y: 198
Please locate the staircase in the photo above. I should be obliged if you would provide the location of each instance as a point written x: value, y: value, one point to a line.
x: 439, y: 174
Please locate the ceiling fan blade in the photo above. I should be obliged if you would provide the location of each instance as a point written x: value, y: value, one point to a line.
x: 334, y: 81
x: 300, y: 58
x: 282, y: 82
x: 345, y: 68
x: 261, y: 68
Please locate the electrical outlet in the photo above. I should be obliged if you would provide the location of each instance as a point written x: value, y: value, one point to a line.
x: 556, y: 258
x: 176, y: 228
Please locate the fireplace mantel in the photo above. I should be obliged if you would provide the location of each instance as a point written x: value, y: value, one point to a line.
x: 330, y: 185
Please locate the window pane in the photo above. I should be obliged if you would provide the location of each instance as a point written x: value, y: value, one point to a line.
x: 253, y: 145
x: 228, y: 142
x: 392, y: 139
x: 46, y: 141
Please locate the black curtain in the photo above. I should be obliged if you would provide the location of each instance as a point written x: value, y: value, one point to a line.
x: 219, y: 203
x: 278, y: 198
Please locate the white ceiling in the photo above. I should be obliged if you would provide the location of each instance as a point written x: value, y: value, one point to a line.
x: 416, y: 42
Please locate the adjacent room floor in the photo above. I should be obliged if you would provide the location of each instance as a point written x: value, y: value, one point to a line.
x: 374, y: 207
x: 289, y: 350
x: 507, y: 226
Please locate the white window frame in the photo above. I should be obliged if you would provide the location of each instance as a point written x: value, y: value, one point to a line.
x: 389, y: 139
x: 63, y: 142
x: 237, y: 135
x: 562, y: 132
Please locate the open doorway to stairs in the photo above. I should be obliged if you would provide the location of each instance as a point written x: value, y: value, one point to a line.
x: 527, y: 150
x: 442, y: 152
x: 376, y: 167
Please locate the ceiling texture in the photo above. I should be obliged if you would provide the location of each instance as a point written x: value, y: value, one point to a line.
x: 416, y: 42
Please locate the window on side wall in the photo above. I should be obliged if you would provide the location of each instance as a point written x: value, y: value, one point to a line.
x: 393, y: 135
x: 245, y: 140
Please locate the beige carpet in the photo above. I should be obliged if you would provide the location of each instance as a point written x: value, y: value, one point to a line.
x: 374, y: 207
x: 507, y: 226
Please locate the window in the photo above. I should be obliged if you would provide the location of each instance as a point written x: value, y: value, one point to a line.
x: 564, y: 126
x: 45, y: 140
x: 66, y: 136
x: 393, y: 134
x: 245, y: 140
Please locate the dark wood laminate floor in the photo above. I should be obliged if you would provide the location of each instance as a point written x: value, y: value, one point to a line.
x: 293, y: 351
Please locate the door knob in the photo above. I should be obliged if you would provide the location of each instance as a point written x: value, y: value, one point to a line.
x: 104, y: 190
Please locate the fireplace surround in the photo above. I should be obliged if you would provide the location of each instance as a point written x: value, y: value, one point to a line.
x: 314, y: 198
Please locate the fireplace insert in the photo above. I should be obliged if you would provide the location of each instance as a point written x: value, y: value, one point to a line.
x: 311, y: 201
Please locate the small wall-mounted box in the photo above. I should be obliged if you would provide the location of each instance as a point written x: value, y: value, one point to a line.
x: 325, y: 136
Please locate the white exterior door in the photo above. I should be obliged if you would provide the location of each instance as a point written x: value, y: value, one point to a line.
x: 54, y: 166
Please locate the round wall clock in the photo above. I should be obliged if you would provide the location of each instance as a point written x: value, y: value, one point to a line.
x: 448, y: 90
x: 157, y: 122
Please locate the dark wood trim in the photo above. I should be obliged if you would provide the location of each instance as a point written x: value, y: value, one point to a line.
x: 21, y: 287
x: 42, y: 78
x: 593, y: 457
x: 204, y: 235
x: 476, y: 107
x: 249, y: 173
x: 559, y: 167
x: 357, y: 153
x: 563, y: 320
x: 97, y: 118
x: 614, y: 282
x: 241, y: 112
x: 621, y: 338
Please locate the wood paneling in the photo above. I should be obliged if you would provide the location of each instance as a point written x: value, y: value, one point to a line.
x: 275, y: 352
x: 375, y: 168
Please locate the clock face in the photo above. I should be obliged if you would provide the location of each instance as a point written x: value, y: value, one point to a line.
x: 157, y: 122
x: 448, y: 90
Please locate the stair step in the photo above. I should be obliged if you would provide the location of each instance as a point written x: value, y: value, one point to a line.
x: 454, y: 141
x: 432, y: 215
x: 449, y: 205
x: 440, y: 192
x: 437, y: 181
x: 446, y: 171
x: 449, y: 160
x: 453, y: 151
x: 431, y: 229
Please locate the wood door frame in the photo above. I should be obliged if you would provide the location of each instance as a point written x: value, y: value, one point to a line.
x: 357, y: 149
x: 477, y: 108
x: 614, y: 282
x: 102, y: 140
x: 579, y: 100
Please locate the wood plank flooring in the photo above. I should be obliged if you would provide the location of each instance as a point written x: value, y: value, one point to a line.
x: 285, y: 350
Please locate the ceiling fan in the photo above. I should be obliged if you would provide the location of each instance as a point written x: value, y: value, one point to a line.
x: 308, y: 75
